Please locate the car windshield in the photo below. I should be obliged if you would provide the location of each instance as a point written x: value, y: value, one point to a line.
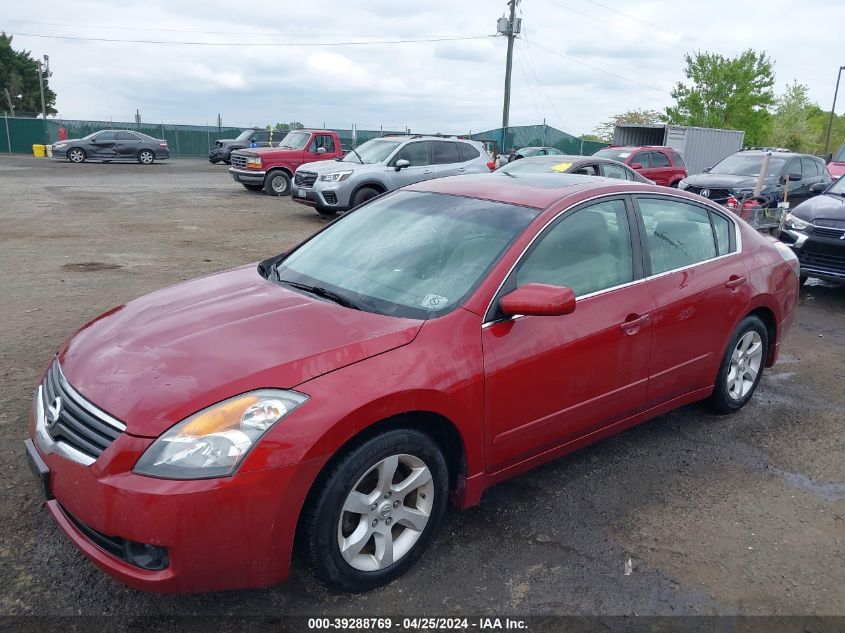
x: 619, y: 154
x: 373, y: 151
x: 743, y: 165
x: 409, y: 254
x: 840, y: 155
x: 838, y: 187
x: 295, y: 140
x: 243, y: 136
x: 528, y: 151
x: 536, y: 165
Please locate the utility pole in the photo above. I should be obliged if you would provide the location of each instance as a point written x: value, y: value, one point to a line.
x: 830, y: 123
x: 509, y: 27
x: 41, y: 72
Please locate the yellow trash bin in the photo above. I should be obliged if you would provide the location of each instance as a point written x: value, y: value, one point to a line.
x: 39, y: 151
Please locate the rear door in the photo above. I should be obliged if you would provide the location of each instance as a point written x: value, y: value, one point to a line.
x: 127, y: 145
x: 472, y: 162
x: 445, y: 159
x: 642, y: 159
x: 698, y: 285
x: 810, y: 175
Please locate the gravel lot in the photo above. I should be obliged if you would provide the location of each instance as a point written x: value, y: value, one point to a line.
x: 728, y: 515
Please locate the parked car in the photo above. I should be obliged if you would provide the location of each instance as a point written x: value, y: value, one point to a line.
x: 112, y: 146
x: 431, y: 343
x: 272, y: 168
x: 815, y: 230
x: 582, y: 165
x: 662, y: 165
x: 528, y: 152
x: 789, y: 176
x: 253, y: 137
x: 384, y: 164
x: 836, y: 165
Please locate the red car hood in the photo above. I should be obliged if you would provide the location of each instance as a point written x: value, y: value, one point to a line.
x: 164, y: 356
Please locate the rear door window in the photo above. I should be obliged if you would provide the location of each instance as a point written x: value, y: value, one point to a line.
x: 125, y: 136
x: 468, y: 152
x: 808, y: 165
x: 642, y: 159
x: 586, y: 170
x: 679, y: 234
x: 677, y: 158
x: 614, y: 171
x: 444, y: 153
x: 659, y: 159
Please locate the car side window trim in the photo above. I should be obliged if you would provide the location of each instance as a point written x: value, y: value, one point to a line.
x: 735, y: 237
x: 509, y: 282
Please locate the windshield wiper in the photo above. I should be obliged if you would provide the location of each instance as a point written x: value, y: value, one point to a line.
x: 324, y: 293
x: 352, y: 149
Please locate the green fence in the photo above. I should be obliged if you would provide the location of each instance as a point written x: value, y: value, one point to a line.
x: 539, y: 136
x: 19, y: 134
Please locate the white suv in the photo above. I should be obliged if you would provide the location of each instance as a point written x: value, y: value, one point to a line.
x: 383, y: 164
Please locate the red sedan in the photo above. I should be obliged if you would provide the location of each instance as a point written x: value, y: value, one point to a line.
x: 433, y: 342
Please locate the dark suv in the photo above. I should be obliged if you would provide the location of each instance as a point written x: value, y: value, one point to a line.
x: 253, y: 137
x: 789, y: 176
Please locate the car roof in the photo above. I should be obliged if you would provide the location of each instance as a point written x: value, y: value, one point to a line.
x: 774, y: 152
x: 424, y: 137
x: 528, y: 190
x: 634, y: 148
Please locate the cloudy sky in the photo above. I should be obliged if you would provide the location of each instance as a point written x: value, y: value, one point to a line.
x: 577, y: 63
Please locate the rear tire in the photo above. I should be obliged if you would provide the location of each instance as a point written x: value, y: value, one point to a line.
x: 277, y: 183
x: 76, y: 155
x: 802, y: 279
x: 371, y: 515
x: 742, y: 366
x: 362, y: 195
x: 146, y: 157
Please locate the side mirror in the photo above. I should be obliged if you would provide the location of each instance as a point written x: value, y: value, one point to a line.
x: 321, y: 150
x: 401, y: 164
x: 706, y: 170
x: 828, y: 158
x: 538, y: 300
x: 819, y: 187
x: 636, y: 165
x: 794, y: 177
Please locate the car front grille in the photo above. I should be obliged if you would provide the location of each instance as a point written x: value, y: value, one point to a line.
x: 717, y: 195
x: 818, y: 255
x: 79, y: 424
x: 826, y: 231
x: 238, y: 160
x: 305, y: 178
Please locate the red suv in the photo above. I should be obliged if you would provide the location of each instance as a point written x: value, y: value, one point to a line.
x: 663, y: 165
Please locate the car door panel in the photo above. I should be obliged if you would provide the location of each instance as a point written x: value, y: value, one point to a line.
x: 695, y: 306
x: 575, y: 373
x: 420, y: 168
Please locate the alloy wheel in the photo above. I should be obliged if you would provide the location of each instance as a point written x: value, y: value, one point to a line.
x: 279, y: 184
x: 746, y: 360
x: 146, y: 157
x: 76, y: 156
x: 385, y: 513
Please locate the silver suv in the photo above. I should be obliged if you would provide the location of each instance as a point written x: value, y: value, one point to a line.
x: 383, y: 164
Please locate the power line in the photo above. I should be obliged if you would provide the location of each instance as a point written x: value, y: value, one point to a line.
x: 540, y: 112
x: 619, y: 28
x: 636, y: 19
x: 607, y: 72
x: 310, y: 44
x: 250, y: 33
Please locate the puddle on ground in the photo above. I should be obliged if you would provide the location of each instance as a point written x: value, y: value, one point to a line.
x: 826, y: 491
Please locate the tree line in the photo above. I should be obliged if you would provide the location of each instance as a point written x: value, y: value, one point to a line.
x: 738, y: 94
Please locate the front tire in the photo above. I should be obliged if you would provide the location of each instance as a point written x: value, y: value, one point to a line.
x: 371, y: 516
x: 742, y: 366
x: 362, y: 195
x: 146, y: 157
x: 277, y: 183
x: 76, y: 155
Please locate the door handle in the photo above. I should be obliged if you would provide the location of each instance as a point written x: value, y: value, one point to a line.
x: 734, y: 281
x: 426, y: 171
x: 634, y: 322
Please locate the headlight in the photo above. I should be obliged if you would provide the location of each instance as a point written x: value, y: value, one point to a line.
x: 683, y: 184
x: 58, y: 145
x: 253, y: 162
x: 794, y: 223
x: 212, y: 442
x: 337, y: 176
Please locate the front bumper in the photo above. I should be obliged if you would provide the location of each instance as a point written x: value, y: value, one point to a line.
x: 247, y: 176
x: 60, y: 154
x: 819, y: 256
x: 222, y: 533
x: 319, y: 198
x: 216, y: 154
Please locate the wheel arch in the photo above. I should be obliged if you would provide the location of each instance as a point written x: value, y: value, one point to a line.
x: 373, y: 184
x: 284, y: 168
x: 767, y: 316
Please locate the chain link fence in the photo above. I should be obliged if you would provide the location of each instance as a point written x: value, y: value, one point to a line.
x: 19, y: 133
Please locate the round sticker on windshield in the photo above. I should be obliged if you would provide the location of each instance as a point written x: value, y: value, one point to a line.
x: 434, y: 302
